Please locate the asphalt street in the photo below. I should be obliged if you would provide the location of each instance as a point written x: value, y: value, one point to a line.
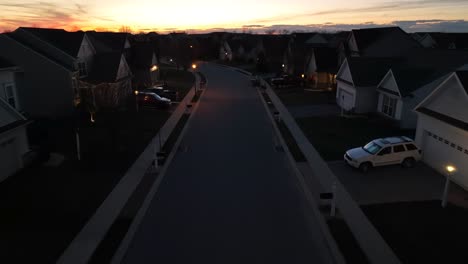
x: 230, y: 198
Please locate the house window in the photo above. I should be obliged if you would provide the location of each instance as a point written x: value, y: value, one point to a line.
x: 82, y: 69
x: 10, y: 94
x: 389, y: 105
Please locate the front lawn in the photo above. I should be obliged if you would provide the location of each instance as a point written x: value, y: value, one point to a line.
x: 43, y: 208
x: 299, y: 96
x: 422, y: 232
x: 333, y: 135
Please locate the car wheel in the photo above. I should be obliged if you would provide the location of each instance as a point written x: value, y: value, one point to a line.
x: 408, y: 163
x: 364, y: 167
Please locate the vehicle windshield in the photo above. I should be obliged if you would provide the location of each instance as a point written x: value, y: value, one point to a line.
x: 372, y: 148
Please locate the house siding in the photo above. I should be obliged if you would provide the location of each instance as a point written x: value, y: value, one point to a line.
x: 44, y: 87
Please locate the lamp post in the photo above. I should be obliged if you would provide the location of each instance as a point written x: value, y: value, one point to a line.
x: 450, y: 170
x: 136, y: 100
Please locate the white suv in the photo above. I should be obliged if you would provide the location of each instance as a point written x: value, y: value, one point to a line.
x: 384, y: 151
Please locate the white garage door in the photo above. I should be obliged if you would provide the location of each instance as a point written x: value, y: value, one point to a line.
x: 346, y: 99
x: 9, y: 161
x: 439, y: 151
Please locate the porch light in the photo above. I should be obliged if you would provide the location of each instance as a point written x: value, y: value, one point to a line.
x: 282, y: 65
x: 302, y: 75
x: 450, y: 169
x: 136, y: 92
x: 191, y: 46
x: 194, y: 66
x: 154, y: 68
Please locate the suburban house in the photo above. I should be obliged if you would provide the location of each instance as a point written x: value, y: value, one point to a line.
x: 379, y: 42
x: 443, y: 40
x: 323, y: 67
x: 357, y: 81
x: 13, y: 140
x: 51, y: 61
x: 275, y: 52
x: 298, y: 55
x: 442, y: 130
x: 407, y: 83
x: 145, y: 65
x: 245, y: 47
x: 104, y: 42
x: 108, y: 84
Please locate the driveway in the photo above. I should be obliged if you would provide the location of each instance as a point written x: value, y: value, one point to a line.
x: 396, y: 184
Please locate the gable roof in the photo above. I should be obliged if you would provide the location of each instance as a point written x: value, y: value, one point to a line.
x: 68, y: 42
x: 463, y: 77
x: 423, y: 66
x: 383, y: 42
x: 445, y: 40
x: 108, y: 41
x: 9, y: 117
x: 369, y: 71
x: 105, y: 67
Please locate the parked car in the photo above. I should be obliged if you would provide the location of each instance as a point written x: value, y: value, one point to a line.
x: 163, y: 92
x: 384, y: 151
x: 153, y: 100
x: 286, y: 80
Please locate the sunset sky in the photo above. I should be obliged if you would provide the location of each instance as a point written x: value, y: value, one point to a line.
x: 258, y: 15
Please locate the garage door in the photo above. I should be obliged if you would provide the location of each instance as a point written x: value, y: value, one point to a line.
x: 9, y: 159
x: 439, y: 151
x: 346, y: 99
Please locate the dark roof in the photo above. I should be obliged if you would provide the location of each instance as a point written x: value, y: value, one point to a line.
x: 383, y: 42
x: 4, y: 63
x: 275, y: 45
x: 445, y: 40
x: 142, y: 54
x: 463, y: 77
x: 366, y: 36
x: 20, y: 39
x: 69, y: 42
x: 105, y: 67
x: 447, y: 119
x: 422, y: 66
x: 326, y: 59
x: 108, y: 41
x: 368, y: 71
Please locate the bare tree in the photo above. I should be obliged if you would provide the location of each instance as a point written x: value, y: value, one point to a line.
x: 125, y: 29
x: 270, y: 31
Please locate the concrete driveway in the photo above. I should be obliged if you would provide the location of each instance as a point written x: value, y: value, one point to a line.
x: 396, y: 184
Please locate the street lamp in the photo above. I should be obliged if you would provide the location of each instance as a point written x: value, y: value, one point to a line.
x: 194, y: 66
x: 450, y: 171
x: 136, y: 99
x: 154, y: 68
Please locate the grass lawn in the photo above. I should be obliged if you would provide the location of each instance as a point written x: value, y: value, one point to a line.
x: 333, y: 135
x: 297, y: 97
x: 422, y: 232
x: 43, y: 208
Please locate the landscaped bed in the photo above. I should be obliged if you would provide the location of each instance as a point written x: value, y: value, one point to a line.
x: 333, y: 135
x: 43, y: 208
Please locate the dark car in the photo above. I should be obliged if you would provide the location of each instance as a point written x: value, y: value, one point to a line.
x: 153, y: 100
x: 163, y: 92
x: 287, y: 80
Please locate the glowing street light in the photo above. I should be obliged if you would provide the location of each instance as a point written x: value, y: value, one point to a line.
x: 154, y: 68
x: 282, y: 65
x: 302, y: 75
x: 136, y: 99
x: 194, y: 66
x: 450, y: 171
